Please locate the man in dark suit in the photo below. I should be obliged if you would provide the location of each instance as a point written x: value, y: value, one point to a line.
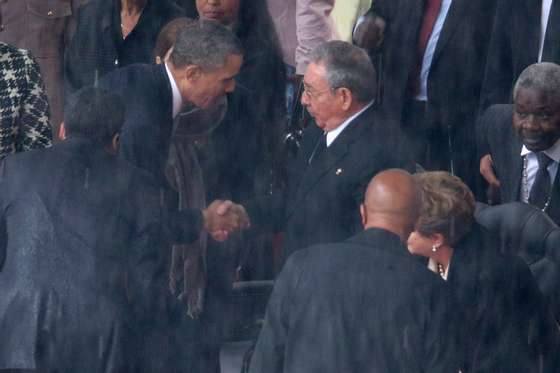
x: 69, y: 234
x: 338, y: 156
x: 362, y: 305
x: 523, y: 140
x: 434, y: 53
x: 525, y: 32
x: 206, y: 58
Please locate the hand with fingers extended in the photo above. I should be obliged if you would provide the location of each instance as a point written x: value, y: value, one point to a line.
x: 224, y: 217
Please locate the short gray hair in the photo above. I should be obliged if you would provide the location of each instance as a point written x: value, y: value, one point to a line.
x: 206, y: 44
x: 544, y: 77
x: 347, y: 66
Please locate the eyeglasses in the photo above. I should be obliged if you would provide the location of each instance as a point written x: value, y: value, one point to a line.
x: 313, y: 95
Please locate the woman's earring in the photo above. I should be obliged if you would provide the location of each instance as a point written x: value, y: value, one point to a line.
x: 434, y: 248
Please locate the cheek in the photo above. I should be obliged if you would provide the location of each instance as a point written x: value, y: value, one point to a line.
x: 411, y: 244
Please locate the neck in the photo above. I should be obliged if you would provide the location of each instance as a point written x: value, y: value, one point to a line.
x: 132, y: 6
x: 392, y: 226
x: 353, y: 110
x: 443, y: 255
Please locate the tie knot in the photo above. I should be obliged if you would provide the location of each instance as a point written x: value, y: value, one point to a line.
x: 544, y: 160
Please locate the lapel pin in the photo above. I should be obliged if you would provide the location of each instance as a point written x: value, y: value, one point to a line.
x: 338, y: 171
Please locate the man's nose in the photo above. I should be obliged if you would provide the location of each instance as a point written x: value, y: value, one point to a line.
x: 531, y: 122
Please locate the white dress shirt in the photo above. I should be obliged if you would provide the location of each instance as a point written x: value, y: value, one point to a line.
x: 430, y: 50
x: 332, y: 135
x: 533, y: 166
x: 545, y: 14
x: 177, y: 99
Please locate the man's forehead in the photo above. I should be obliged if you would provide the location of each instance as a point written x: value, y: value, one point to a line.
x: 535, y: 96
x: 314, y: 75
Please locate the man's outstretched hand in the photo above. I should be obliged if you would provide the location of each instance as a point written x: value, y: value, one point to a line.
x: 224, y: 217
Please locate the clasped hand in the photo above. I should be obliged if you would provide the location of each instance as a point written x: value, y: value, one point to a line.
x: 224, y: 217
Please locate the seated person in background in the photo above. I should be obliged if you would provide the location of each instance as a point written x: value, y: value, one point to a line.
x: 521, y: 141
x: 500, y: 321
x: 112, y: 34
x: 348, y: 145
x: 24, y: 109
x: 362, y: 305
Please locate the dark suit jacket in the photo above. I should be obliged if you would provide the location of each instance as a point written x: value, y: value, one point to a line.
x: 458, y: 64
x: 98, y: 48
x: 515, y: 45
x: 69, y: 234
x: 505, y: 147
x: 321, y: 201
x: 148, y: 125
x: 498, y: 310
x: 363, y: 305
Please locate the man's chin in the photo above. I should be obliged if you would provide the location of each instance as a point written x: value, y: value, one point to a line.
x: 535, y: 145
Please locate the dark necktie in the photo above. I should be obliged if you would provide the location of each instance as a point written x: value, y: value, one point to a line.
x: 551, y: 47
x: 431, y: 13
x: 320, y: 147
x: 540, y: 192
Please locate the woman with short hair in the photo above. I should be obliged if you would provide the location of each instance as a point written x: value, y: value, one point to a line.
x: 499, y: 318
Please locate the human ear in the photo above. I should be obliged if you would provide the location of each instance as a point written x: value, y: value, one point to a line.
x: 192, y: 72
x: 347, y: 98
x: 363, y: 214
x: 115, y: 142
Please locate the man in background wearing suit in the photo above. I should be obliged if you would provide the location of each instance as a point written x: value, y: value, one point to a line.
x: 523, y: 140
x: 338, y: 156
x: 362, y: 305
x: 525, y: 32
x: 434, y: 53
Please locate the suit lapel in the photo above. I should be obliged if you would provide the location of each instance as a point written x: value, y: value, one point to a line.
x: 531, y: 16
x: 164, y: 89
x: 328, y: 159
x: 455, y: 16
x: 554, y: 209
x: 516, y: 167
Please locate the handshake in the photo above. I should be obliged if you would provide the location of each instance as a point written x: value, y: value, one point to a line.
x: 224, y: 217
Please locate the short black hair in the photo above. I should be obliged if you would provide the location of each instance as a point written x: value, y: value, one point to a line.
x: 94, y: 113
x: 206, y: 44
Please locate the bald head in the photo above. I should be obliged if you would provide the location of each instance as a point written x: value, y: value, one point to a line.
x: 391, y: 202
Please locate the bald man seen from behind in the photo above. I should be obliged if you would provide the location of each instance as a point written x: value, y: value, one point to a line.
x: 362, y: 305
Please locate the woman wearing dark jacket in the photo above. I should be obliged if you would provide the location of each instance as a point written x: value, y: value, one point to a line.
x: 112, y: 34
x: 500, y: 321
x: 251, y: 137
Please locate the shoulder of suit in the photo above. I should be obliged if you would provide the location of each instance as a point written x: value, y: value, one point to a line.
x: 498, y: 116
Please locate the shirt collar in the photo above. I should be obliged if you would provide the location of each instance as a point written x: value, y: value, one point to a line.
x: 177, y: 99
x: 553, y: 152
x: 332, y: 135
